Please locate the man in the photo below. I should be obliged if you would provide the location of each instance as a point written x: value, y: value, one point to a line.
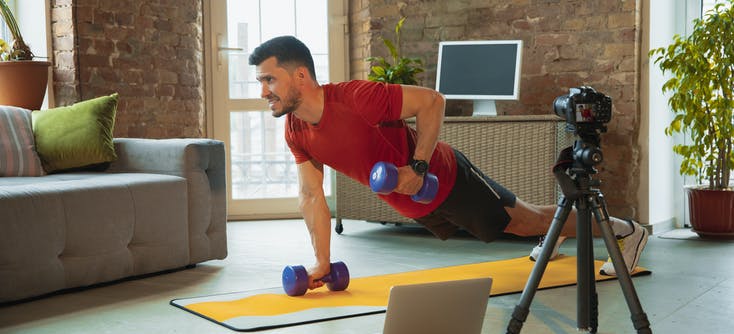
x: 353, y: 125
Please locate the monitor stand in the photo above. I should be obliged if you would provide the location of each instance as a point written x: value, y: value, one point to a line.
x: 484, y: 108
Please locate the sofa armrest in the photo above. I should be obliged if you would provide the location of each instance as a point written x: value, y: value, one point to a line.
x: 202, y: 163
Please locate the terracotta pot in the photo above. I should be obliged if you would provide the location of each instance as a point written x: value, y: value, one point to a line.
x: 23, y: 83
x: 711, y: 212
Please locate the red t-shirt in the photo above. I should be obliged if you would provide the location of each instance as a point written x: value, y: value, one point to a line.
x: 361, y: 126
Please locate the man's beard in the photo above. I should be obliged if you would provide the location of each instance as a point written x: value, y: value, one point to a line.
x: 289, y: 104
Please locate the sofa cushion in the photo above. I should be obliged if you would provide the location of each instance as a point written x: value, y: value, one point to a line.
x: 76, y: 136
x: 78, y: 229
x: 18, y: 155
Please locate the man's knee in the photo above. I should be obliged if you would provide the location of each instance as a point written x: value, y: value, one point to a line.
x: 527, y: 219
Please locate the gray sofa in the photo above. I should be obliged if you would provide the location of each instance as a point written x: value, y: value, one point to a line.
x: 161, y: 205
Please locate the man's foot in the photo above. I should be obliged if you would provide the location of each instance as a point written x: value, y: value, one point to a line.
x: 631, y: 246
x: 535, y: 253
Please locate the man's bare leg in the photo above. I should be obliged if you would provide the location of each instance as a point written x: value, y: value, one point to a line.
x: 531, y: 220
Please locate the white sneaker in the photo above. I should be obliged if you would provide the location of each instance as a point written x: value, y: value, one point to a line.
x: 535, y: 253
x: 631, y: 246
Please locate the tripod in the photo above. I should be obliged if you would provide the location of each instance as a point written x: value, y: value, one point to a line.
x: 574, y: 171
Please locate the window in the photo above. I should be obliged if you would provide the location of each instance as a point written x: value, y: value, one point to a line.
x: 706, y: 5
x: 4, y: 31
x: 261, y: 175
x: 262, y: 164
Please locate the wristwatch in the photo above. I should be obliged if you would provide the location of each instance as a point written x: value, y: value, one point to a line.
x: 420, y: 167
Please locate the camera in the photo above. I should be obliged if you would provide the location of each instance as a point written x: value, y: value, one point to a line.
x: 584, y: 109
x: 586, y: 112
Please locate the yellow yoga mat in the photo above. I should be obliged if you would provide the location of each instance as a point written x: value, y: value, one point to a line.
x: 272, y: 308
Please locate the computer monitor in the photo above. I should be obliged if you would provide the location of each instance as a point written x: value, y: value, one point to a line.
x: 482, y: 71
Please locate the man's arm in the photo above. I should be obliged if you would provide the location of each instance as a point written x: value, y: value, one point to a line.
x: 315, y: 211
x: 428, y: 107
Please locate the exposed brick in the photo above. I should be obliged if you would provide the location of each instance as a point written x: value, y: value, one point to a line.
x: 63, y: 43
x: 552, y: 39
x: 621, y: 20
x: 62, y: 28
x: 148, y: 52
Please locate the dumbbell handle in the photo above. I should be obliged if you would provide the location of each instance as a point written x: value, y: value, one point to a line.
x: 326, y: 278
x: 384, y: 179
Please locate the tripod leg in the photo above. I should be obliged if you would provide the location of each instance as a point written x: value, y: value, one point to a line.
x: 521, y: 311
x: 586, y: 299
x: 639, y: 318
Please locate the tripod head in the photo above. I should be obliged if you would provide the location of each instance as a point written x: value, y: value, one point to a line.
x: 587, y: 152
x: 575, y: 165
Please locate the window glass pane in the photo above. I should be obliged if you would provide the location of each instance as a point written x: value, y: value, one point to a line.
x: 251, y: 22
x: 278, y: 18
x: 243, y: 31
x: 262, y: 164
x: 4, y: 32
x: 311, y: 25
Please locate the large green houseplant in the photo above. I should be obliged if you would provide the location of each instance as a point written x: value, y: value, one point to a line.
x: 402, y: 70
x: 23, y: 81
x: 701, y: 88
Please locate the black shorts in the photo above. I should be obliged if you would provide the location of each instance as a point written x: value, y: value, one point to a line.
x: 475, y: 204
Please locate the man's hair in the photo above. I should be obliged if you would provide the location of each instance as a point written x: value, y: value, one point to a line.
x: 288, y: 50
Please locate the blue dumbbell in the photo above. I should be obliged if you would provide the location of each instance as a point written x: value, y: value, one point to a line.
x: 384, y: 179
x: 295, y: 279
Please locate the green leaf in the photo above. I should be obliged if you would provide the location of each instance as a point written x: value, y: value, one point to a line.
x: 399, y: 26
x: 380, y: 71
x: 391, y: 47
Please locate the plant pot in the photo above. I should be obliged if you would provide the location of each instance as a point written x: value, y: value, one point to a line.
x: 23, y: 83
x: 711, y: 212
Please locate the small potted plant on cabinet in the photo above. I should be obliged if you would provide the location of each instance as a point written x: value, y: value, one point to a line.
x: 23, y: 81
x: 403, y: 70
x: 701, y: 88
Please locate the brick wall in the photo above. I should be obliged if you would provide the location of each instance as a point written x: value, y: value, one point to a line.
x: 567, y: 43
x: 150, y: 52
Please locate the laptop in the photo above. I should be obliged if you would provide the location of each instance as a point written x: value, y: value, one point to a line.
x: 455, y: 307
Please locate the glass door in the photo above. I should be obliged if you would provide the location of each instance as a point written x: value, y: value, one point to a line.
x: 261, y: 173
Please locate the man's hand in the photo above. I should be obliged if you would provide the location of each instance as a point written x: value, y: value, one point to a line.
x: 315, y: 273
x: 409, y: 183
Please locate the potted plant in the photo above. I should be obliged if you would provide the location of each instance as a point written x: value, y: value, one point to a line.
x: 23, y: 81
x: 701, y: 88
x: 403, y: 70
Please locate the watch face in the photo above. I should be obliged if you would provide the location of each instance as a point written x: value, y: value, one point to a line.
x: 420, y: 166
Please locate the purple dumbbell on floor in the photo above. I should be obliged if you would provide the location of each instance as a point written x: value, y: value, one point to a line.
x: 295, y: 279
x: 384, y: 179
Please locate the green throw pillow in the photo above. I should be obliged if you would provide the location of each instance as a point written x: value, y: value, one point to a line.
x: 76, y: 136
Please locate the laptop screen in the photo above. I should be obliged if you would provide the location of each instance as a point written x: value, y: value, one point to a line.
x: 456, y: 307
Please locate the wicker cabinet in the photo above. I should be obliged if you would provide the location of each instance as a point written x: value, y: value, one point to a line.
x: 516, y: 151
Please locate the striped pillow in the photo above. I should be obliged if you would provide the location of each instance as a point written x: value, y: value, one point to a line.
x: 18, y: 155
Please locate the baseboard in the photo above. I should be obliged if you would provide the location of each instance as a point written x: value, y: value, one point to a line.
x: 662, y: 226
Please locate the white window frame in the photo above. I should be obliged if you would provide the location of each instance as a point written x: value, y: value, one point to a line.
x: 217, y: 126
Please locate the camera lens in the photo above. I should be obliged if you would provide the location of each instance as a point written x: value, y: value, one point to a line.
x: 562, y: 106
